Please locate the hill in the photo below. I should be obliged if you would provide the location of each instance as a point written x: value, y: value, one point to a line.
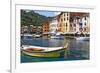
x: 32, y: 18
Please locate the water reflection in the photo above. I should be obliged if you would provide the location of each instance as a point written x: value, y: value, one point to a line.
x: 77, y: 50
x: 43, y: 42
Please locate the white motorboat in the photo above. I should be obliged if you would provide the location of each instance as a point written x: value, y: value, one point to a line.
x: 36, y: 35
x: 82, y: 38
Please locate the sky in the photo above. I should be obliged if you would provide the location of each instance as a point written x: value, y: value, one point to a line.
x: 48, y: 13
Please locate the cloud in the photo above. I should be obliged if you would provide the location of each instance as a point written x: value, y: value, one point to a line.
x: 48, y: 13
x: 57, y: 13
x: 27, y: 10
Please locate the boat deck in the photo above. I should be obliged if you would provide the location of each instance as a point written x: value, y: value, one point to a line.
x: 41, y: 48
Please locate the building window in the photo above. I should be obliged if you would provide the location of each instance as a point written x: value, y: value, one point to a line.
x: 67, y: 18
x: 80, y: 24
x: 74, y: 25
x: 66, y: 24
x: 85, y: 23
x: 70, y: 25
x: 84, y: 29
x: 61, y: 19
x: 64, y: 19
x: 67, y: 14
x: 85, y: 18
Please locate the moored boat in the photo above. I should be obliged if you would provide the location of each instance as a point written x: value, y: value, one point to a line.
x: 36, y: 35
x: 57, y: 37
x: 82, y: 38
x: 43, y: 51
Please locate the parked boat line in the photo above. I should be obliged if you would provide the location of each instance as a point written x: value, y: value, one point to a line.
x: 86, y: 38
x: 26, y: 35
x: 59, y: 34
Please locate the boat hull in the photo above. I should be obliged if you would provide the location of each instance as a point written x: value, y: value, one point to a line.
x: 56, y: 53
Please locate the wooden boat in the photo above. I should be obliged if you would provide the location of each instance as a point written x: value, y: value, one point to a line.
x: 43, y: 51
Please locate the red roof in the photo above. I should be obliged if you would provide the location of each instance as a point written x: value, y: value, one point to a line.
x: 76, y: 13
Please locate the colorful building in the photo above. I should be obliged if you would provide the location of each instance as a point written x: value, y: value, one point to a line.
x: 24, y: 29
x: 79, y: 22
x: 39, y: 29
x: 63, y: 22
x: 45, y: 27
x: 86, y: 23
x: 53, y: 25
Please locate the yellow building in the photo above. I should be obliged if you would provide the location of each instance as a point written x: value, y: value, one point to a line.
x: 45, y: 27
x: 64, y: 22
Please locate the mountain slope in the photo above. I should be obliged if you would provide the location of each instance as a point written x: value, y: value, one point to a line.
x: 32, y: 18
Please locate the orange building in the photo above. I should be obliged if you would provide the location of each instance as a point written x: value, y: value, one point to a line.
x: 45, y: 27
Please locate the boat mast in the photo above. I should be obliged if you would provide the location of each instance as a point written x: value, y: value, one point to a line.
x: 65, y: 47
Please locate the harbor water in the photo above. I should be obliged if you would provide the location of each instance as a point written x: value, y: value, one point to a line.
x: 77, y: 49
